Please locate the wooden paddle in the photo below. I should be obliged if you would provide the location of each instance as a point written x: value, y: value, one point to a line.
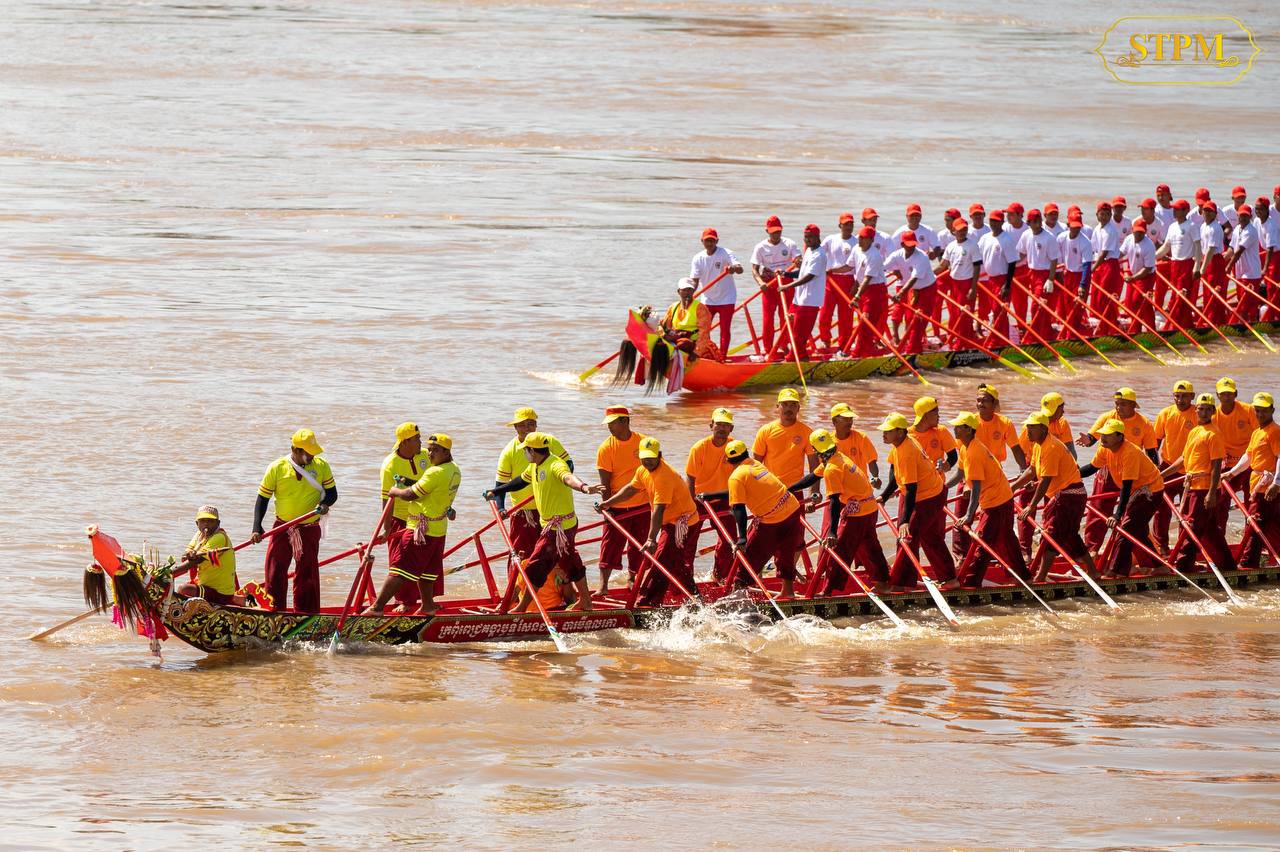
x: 974, y: 537
x: 612, y: 521
x: 1105, y: 323
x: 929, y: 584
x: 1084, y: 575
x: 1185, y: 526
x: 1196, y: 309
x: 1083, y: 338
x: 1008, y: 340
x: 561, y: 645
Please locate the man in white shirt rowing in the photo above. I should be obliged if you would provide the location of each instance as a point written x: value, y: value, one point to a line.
x: 1181, y: 249
x: 1269, y: 232
x: 1213, y: 268
x: 1038, y: 250
x: 961, y: 262
x: 1140, y: 257
x: 707, y: 265
x: 997, y: 250
x: 1245, y: 259
x: 773, y: 257
x: 840, y: 286
x: 916, y: 272
x: 1106, y: 268
x: 866, y: 263
x: 1076, y: 252
x: 810, y: 287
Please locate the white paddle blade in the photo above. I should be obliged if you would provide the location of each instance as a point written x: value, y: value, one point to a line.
x: 943, y: 606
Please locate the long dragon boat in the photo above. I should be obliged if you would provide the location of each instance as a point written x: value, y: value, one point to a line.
x: 738, y: 372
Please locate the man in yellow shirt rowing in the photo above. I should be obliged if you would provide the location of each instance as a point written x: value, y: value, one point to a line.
x: 211, y: 555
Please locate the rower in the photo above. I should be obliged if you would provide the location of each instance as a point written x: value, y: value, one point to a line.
x: 962, y: 262
x: 417, y: 552
x: 926, y: 237
x: 1106, y: 266
x: 1164, y: 206
x: 883, y: 240
x: 1212, y: 269
x: 617, y: 459
x: 1038, y: 251
x: 407, y: 460
x: 674, y: 523
x: 553, y: 483
x: 1156, y: 227
x: 838, y: 301
x: 775, y: 257
x: 1262, y: 460
x: 687, y: 324
x: 1245, y: 257
x: 782, y: 444
x: 300, y: 482
x: 1173, y: 424
x: 1141, y: 487
x: 1236, y: 422
x: 1125, y: 225
x: 1202, y: 198
x: 850, y: 525
x: 913, y: 268
x: 1053, y: 469
x: 1015, y: 226
x: 934, y: 441
x: 1076, y: 252
x: 854, y: 444
x: 1182, y: 248
x: 524, y: 526
x: 977, y: 222
x: 1051, y: 220
x: 866, y: 263
x: 1086, y: 228
x: 921, y: 519
x: 1201, y: 459
x: 1269, y: 232
x: 810, y: 286
x: 776, y: 532
x: 1239, y: 197
x: 1139, y: 254
x: 1054, y: 407
x: 945, y: 284
x: 211, y: 558
x: 995, y: 431
x: 989, y: 491
x: 721, y: 298
x: 706, y: 471
x: 999, y: 254
x: 1139, y: 432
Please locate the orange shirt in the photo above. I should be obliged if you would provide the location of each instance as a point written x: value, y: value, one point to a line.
x: 1059, y: 429
x: 910, y: 465
x: 621, y: 459
x: 1264, y: 450
x: 980, y: 465
x: 1236, y: 429
x: 708, y: 466
x: 1172, y: 427
x: 997, y: 434
x: 783, y: 449
x: 841, y: 477
x: 1204, y: 444
x: 1053, y: 459
x: 857, y: 447
x: 1137, y: 429
x: 1129, y: 462
x: 549, y: 594
x: 935, y: 442
x: 751, y: 484
x: 666, y: 487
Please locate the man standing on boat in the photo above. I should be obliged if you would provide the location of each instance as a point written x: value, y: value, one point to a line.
x: 407, y: 461
x: 854, y: 444
x: 617, y: 460
x: 989, y: 492
x: 1125, y: 467
x: 962, y: 262
x: 524, y: 525
x: 1106, y: 268
x: 866, y: 263
x: 810, y: 288
x: 999, y: 254
x: 773, y: 263
x: 1054, y: 407
x: 921, y: 519
x: 1139, y: 432
x: 995, y: 431
x: 300, y: 483
x: 1076, y: 251
x: 1269, y: 232
x: 1212, y: 270
x: 1139, y: 255
x: 722, y: 297
x: 1038, y: 251
x: 840, y: 282
x: 1245, y: 260
x: 1201, y: 460
x: 782, y: 445
x: 926, y: 237
x: 1262, y: 462
x: 1173, y: 424
x: 1053, y: 468
x: 1236, y: 421
x: 1182, y: 249
x: 417, y: 551
x: 553, y: 485
x: 912, y: 267
x: 707, y: 471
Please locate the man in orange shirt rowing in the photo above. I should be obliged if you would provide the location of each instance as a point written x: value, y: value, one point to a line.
x: 1236, y: 422
x: 1141, y: 487
x: 1055, y: 409
x: 1262, y: 461
x: 1201, y: 459
x: 853, y: 443
x: 707, y: 471
x: 1172, y: 426
x: 921, y: 521
x: 1053, y: 468
x: 617, y: 460
x: 1139, y: 432
x: 989, y: 491
x: 782, y: 445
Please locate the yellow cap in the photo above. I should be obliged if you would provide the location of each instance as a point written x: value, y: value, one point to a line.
x: 613, y: 412
x: 405, y: 431
x: 523, y: 414
x: 1183, y: 386
x: 305, y: 440
x: 649, y: 449
x: 966, y: 418
x: 722, y: 415
x: 894, y: 421
x: 536, y: 441
x: 1262, y: 399
x: 207, y: 513
x: 733, y: 449
x: 923, y: 406
x: 842, y: 409
x: 1052, y: 401
x: 440, y: 439
x: 1037, y: 418
x: 1207, y: 399
x: 989, y: 390
x: 1226, y: 384
x: 1112, y: 427
x: 1128, y: 394
x: 788, y: 395
x: 822, y: 440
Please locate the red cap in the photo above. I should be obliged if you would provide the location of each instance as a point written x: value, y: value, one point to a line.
x: 710, y: 232
x: 975, y: 207
x: 869, y: 212
x: 812, y: 229
x: 1209, y: 205
x: 1162, y: 187
x: 914, y: 208
x: 1202, y: 194
x: 1074, y: 208
x: 846, y: 217
x: 1237, y: 191
x: 1182, y: 204
x: 1104, y: 205
x: 867, y: 231
x: 1050, y: 208
x: 996, y: 216
x: 1148, y: 203
x: 908, y: 238
x: 1075, y: 220
x: 951, y: 213
x: 773, y: 223
x: 1244, y: 210
x: 959, y: 224
x: 1140, y: 226
x: 1276, y: 191
x: 1264, y: 201
x: 1119, y: 199
x: 1034, y: 213
x: 1015, y: 207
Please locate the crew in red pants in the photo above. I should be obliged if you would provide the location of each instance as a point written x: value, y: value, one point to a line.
x: 989, y: 492
x: 871, y: 296
x: 407, y: 461
x: 717, y: 264
x: 1172, y: 426
x: 1213, y: 268
x: 1139, y: 432
x: 922, y: 523
x: 1076, y: 250
x: 1269, y: 227
x: 1054, y: 470
x: 1039, y: 250
x: 1182, y: 248
x: 1263, y: 462
x: 773, y: 263
x: 917, y: 290
x: 962, y: 263
x: 840, y: 286
x: 1202, y: 461
x: 1236, y: 422
x: 1106, y: 268
x: 1136, y: 477
x: 1244, y: 260
x: 809, y: 289
x: 1140, y: 255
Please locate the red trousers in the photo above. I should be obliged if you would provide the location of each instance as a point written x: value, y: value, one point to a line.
x: 724, y: 549
x: 1164, y: 515
x: 633, y: 519
x: 771, y: 318
x: 802, y: 320
x: 1205, y: 526
x: 407, y: 594
x: 1214, y: 280
x: 1136, y: 301
x: 995, y: 527
x: 1095, y: 527
x: 306, y: 577
x: 873, y: 307
x: 1069, y: 307
x: 547, y: 554
x: 1137, y: 523
x: 1182, y: 281
x: 922, y: 299
x: 1041, y: 321
x: 928, y: 534
x: 1248, y: 305
x: 677, y: 558
x: 1160, y: 288
x: 723, y: 313
x: 1267, y: 515
x: 961, y: 325
x: 778, y: 541
x: 1106, y: 278
x: 1022, y: 283
x: 944, y: 284
x: 1272, y: 276
x: 858, y: 545
x: 839, y: 292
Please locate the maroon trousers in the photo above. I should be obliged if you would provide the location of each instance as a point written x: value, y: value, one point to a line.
x: 633, y: 519
x: 1061, y: 520
x: 1095, y: 526
x: 858, y: 545
x: 677, y: 558
x: 995, y: 527
x: 1164, y: 514
x: 547, y: 554
x: 1137, y: 523
x: 306, y: 577
x: 407, y: 594
x: 779, y: 541
x: 928, y: 534
x: 873, y: 308
x: 1267, y: 515
x: 1182, y: 281
x: 1205, y: 526
x: 724, y: 549
x: 836, y: 304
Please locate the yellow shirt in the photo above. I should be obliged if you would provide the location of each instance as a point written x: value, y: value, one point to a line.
x: 1264, y: 449
x: 434, y: 494
x: 396, y: 465
x: 217, y: 571
x: 1137, y: 429
x: 1172, y: 427
x: 1203, y: 446
x: 783, y: 449
x: 294, y: 495
x: 998, y: 435
x: 842, y: 478
x: 551, y: 496
x: 980, y: 465
x: 857, y: 447
x: 708, y: 467
x: 621, y: 459
x: 765, y: 496
x: 1236, y: 429
x: 513, y: 461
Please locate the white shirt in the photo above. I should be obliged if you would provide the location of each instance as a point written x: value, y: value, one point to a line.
x: 1182, y: 239
x: 945, y: 238
x: 1039, y: 251
x: 1057, y: 228
x: 918, y: 265
x: 1269, y: 232
x: 1139, y: 255
x: 1211, y: 238
x: 995, y: 255
x: 1244, y: 240
x: 772, y: 257
x: 867, y: 265
x: 976, y: 234
x: 1124, y: 224
x: 960, y: 257
x: 810, y: 294
x: 1015, y: 235
x: 837, y: 249
x: 1075, y: 252
x: 1164, y: 215
x: 1107, y: 239
x: 1087, y: 230
x: 884, y: 243
x: 1196, y: 217
x: 927, y: 236
x: 706, y: 267
x: 1156, y: 231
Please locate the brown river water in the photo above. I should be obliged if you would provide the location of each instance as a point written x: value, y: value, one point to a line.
x: 222, y: 222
